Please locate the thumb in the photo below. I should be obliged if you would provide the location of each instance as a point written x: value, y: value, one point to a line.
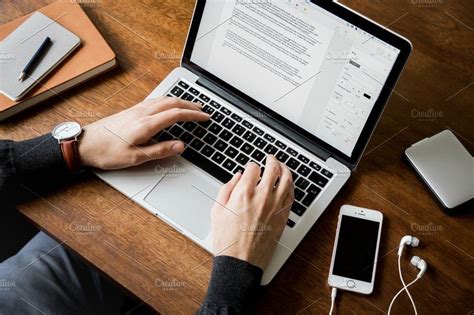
x: 162, y: 150
x: 224, y: 195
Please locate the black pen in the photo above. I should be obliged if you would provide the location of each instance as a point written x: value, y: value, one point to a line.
x: 35, y: 58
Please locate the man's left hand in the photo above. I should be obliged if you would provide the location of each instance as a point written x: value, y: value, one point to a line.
x: 123, y: 139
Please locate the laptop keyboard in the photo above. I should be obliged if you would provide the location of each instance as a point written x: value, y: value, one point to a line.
x: 223, y: 146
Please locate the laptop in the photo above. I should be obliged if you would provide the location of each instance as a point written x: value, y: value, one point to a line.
x: 306, y: 81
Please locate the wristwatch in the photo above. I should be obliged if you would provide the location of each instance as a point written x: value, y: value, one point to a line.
x: 67, y: 134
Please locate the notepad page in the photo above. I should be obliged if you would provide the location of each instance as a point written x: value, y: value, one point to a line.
x: 18, y: 48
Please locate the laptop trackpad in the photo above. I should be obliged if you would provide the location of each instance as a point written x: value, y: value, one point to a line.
x: 185, y: 195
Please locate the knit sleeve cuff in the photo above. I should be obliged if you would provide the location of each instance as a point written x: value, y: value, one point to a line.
x: 38, y: 155
x: 234, y: 284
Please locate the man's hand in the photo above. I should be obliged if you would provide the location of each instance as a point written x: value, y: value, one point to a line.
x: 123, y: 139
x: 249, y: 215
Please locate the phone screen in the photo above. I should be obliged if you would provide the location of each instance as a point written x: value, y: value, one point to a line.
x: 356, y: 248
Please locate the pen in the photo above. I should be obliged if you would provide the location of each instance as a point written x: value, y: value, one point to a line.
x: 35, y: 58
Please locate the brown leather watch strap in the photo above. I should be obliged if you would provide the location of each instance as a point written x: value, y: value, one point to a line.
x: 71, y: 155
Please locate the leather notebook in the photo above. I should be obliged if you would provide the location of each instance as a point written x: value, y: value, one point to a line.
x: 91, y: 58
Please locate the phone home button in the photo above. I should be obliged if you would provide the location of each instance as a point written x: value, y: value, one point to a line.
x: 350, y: 284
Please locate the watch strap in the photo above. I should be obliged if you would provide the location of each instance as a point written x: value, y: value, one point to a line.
x: 71, y: 154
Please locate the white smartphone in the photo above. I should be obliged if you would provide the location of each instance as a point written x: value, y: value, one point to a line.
x: 356, y: 248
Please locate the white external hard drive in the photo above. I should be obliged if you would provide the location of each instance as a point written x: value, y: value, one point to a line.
x: 446, y: 167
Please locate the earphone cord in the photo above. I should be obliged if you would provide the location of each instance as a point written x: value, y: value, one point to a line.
x: 404, y: 284
x: 333, y: 299
x: 401, y: 290
x: 405, y: 287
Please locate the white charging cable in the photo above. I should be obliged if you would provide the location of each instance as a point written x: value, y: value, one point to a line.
x: 333, y: 299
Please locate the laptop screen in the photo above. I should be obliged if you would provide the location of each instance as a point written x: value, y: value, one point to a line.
x: 303, y: 62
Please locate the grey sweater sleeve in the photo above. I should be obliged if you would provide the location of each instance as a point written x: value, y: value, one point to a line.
x: 234, y: 283
x: 233, y: 287
x: 38, y: 155
x: 38, y: 160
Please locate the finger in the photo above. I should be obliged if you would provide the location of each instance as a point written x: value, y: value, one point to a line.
x: 250, y: 176
x: 226, y: 190
x: 271, y: 174
x: 285, y: 185
x: 223, y: 196
x: 166, y: 103
x: 147, y: 103
x: 285, y: 209
x: 288, y: 202
x: 285, y: 206
x: 159, y: 121
x: 160, y: 150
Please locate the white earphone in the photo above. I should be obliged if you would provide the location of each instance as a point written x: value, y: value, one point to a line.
x: 407, y: 240
x: 420, y: 264
x: 416, y: 261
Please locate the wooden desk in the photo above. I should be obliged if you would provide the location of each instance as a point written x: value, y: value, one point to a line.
x: 142, y: 253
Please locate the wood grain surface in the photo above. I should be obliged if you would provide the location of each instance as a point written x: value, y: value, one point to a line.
x: 169, y: 272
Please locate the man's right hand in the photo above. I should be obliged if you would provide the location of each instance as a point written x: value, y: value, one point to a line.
x: 249, y: 215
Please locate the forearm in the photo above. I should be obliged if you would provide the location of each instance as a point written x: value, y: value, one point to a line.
x: 38, y: 160
x: 233, y: 287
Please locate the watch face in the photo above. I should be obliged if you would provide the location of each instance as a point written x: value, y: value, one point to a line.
x: 67, y: 130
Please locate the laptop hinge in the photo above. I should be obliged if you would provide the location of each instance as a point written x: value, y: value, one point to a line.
x: 265, y: 118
